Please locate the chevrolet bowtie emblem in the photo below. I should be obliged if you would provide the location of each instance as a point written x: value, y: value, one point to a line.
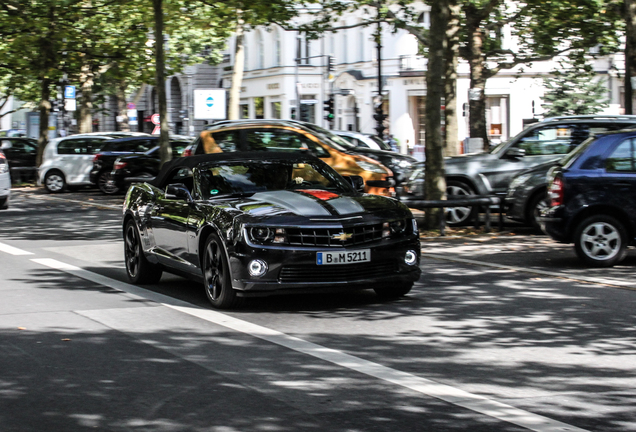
x: 342, y: 236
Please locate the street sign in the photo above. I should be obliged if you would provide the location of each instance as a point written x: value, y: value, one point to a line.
x: 131, y: 106
x: 156, y: 120
x: 69, y: 92
x: 70, y: 105
x: 132, y: 116
x: 209, y: 104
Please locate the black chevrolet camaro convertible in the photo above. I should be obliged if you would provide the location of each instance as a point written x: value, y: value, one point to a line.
x: 255, y: 224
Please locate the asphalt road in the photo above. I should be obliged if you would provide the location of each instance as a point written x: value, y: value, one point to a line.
x: 503, y: 332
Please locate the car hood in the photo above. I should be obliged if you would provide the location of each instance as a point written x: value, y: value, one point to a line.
x: 384, y: 154
x: 310, y: 203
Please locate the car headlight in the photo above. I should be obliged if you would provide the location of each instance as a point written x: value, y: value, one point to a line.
x: 394, y: 228
x: 519, y: 180
x: 266, y: 235
x: 374, y: 168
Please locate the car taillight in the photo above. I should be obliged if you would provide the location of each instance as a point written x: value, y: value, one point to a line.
x: 555, y: 192
x: 119, y: 165
x: 96, y: 158
x: 187, y: 152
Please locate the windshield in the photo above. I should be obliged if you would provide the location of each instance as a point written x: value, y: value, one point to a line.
x: 332, y: 139
x: 249, y: 177
x: 383, y: 145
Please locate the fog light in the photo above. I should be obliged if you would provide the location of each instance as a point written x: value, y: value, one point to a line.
x: 410, y: 258
x: 257, y: 268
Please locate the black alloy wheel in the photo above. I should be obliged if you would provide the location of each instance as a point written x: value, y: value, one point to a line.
x: 459, y: 216
x: 138, y: 269
x: 600, y: 241
x: 216, y: 275
x: 535, y: 205
x: 105, y: 183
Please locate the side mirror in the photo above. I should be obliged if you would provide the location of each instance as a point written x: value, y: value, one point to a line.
x: 178, y: 191
x: 357, y: 182
x: 515, y: 153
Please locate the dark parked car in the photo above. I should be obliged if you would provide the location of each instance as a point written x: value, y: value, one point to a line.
x: 104, y: 160
x: 491, y: 172
x: 593, y: 199
x: 256, y: 223
x: 142, y: 166
x: 362, y: 144
x: 21, y: 154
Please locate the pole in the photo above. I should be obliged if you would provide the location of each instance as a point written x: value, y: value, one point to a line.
x: 296, y: 72
x: 380, y: 120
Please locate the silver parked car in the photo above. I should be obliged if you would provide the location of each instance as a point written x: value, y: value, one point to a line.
x: 5, y: 182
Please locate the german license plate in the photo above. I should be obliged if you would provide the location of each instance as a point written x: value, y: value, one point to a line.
x: 349, y: 257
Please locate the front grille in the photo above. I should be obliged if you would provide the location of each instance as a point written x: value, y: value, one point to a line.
x: 324, y: 237
x: 335, y: 273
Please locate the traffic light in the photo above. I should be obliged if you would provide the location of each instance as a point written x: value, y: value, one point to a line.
x: 304, y: 112
x: 293, y: 113
x: 330, y: 63
x: 329, y: 108
x: 379, y: 115
x: 183, y: 113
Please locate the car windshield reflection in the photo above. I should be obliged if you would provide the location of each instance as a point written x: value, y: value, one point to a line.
x: 248, y: 178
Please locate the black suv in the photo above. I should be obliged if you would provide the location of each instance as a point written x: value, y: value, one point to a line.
x: 592, y: 196
x: 491, y: 172
x: 104, y: 160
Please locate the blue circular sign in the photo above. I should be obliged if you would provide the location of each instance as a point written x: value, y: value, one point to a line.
x: 209, y: 101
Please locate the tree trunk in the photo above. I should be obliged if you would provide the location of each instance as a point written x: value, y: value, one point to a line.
x: 477, y: 99
x: 450, y: 80
x: 45, y: 109
x: 237, y: 71
x: 435, y: 183
x: 122, y: 106
x: 164, y: 141
x: 86, y: 102
x: 630, y: 53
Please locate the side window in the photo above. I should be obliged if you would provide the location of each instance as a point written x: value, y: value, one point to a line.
x: 178, y: 147
x: 92, y: 146
x: 622, y: 158
x: 69, y: 147
x: 274, y: 139
x: 29, y: 147
x: 553, y: 140
x: 216, y: 142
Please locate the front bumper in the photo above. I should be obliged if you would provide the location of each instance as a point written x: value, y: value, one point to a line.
x: 295, y: 271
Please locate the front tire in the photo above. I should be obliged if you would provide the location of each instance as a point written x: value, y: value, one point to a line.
x: 394, y: 291
x: 216, y: 275
x: 536, y: 204
x: 54, y: 182
x: 459, y: 216
x: 600, y: 241
x: 138, y: 269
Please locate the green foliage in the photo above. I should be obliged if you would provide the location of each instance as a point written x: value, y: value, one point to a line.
x: 574, y: 89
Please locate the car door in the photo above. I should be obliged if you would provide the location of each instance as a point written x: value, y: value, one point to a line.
x: 75, y: 157
x: 169, y: 223
x: 617, y: 184
x: 542, y: 144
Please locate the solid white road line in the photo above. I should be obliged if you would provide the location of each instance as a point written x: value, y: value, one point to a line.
x: 13, y: 251
x: 419, y: 384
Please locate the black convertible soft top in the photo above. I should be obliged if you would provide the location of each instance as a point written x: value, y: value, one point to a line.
x: 255, y: 156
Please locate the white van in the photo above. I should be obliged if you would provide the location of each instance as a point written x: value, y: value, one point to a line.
x: 68, y: 161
